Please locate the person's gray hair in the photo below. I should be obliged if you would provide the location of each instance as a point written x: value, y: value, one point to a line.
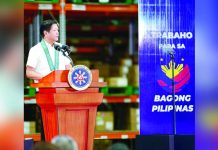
x: 64, y: 142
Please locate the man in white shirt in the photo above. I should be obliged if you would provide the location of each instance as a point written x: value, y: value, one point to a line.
x: 43, y: 58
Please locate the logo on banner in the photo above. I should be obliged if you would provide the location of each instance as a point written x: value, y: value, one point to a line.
x: 80, y: 77
x: 181, y: 76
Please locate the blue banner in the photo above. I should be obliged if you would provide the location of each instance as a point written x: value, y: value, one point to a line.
x: 167, y: 31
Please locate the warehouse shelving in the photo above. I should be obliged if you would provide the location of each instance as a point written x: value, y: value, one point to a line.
x: 121, y: 99
x: 128, y: 9
x: 116, y: 135
x: 35, y: 136
x: 98, y: 135
x: 36, y: 6
x: 78, y: 28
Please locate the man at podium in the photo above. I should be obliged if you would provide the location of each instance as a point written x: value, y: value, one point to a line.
x: 44, y: 58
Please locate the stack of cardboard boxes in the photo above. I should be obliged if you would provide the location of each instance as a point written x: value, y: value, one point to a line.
x: 29, y: 127
x: 134, y: 119
x: 133, y: 76
x: 104, y: 121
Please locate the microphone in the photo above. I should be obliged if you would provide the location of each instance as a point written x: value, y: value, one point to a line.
x: 63, y: 48
x: 57, y: 47
x: 170, y: 51
x: 65, y: 51
x: 66, y: 48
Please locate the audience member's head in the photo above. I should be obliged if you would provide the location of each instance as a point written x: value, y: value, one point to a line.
x: 65, y: 142
x: 45, y: 146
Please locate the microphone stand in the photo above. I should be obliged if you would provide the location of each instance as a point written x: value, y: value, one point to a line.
x: 66, y: 54
x: 174, y: 103
x: 173, y: 93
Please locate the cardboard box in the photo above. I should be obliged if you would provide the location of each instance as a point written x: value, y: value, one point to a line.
x: 134, y: 115
x: 119, y: 70
x: 133, y: 76
x: 134, y: 119
x: 104, y: 69
x: 117, y: 81
x: 29, y: 127
x: 126, y: 62
x: 104, y: 121
x: 134, y: 126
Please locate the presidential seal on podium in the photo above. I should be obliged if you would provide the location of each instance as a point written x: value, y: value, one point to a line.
x: 80, y: 77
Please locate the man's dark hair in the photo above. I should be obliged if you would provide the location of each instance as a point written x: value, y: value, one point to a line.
x: 46, y: 26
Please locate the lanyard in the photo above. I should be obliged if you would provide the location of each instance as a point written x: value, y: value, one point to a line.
x: 49, y: 60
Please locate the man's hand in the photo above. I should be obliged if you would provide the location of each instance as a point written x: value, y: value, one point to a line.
x: 32, y: 74
x: 68, y: 67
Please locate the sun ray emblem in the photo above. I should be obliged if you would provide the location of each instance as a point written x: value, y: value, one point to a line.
x: 168, y: 69
x: 80, y: 77
x: 181, y: 76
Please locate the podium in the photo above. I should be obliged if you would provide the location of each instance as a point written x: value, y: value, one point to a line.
x: 68, y: 111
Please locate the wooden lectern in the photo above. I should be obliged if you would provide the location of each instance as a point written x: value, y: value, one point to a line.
x: 67, y: 111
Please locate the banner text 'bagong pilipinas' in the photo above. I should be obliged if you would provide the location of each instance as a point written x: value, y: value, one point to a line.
x: 168, y: 99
